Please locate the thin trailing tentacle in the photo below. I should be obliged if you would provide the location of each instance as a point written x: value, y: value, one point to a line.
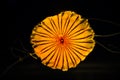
x: 30, y: 54
x: 106, y: 21
x: 108, y: 35
x: 12, y: 65
x: 20, y: 59
x: 112, y: 51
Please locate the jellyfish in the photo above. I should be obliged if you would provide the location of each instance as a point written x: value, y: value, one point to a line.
x: 62, y: 41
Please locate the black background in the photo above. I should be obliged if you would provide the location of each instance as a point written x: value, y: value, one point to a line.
x: 23, y: 15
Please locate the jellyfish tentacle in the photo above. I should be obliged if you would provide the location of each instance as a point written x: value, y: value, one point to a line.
x: 106, y: 21
x: 12, y: 65
x: 108, y: 35
x: 112, y: 51
x: 20, y: 59
x: 20, y: 50
x: 8, y: 68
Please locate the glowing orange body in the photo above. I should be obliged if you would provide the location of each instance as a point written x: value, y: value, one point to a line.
x: 63, y: 40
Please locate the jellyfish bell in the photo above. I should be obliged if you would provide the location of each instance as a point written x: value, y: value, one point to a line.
x: 62, y: 41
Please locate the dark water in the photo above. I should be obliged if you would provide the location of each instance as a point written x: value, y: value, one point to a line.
x: 23, y: 15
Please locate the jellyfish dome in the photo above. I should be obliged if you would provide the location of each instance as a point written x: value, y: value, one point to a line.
x: 62, y: 41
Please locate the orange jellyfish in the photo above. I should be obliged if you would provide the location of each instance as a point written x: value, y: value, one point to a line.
x: 62, y: 41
